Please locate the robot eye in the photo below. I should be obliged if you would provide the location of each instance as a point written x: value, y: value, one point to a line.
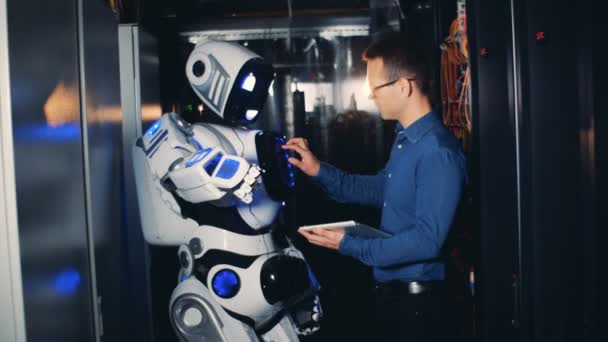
x: 248, y: 82
x: 198, y: 69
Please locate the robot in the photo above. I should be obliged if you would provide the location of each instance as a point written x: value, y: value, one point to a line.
x: 214, y: 192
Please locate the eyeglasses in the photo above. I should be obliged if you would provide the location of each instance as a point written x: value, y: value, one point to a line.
x: 372, y: 92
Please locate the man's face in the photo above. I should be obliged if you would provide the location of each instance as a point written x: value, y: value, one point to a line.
x: 386, y: 96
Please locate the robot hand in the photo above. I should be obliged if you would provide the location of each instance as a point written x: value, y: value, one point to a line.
x: 307, y: 316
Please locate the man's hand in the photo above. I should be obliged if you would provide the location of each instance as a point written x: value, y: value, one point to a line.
x: 328, y: 238
x: 309, y: 164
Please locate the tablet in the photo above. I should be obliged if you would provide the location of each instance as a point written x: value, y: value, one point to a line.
x: 351, y: 227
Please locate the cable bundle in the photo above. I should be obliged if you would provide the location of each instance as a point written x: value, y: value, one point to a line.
x: 455, y: 81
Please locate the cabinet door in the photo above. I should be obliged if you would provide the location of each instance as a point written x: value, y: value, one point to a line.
x: 48, y: 158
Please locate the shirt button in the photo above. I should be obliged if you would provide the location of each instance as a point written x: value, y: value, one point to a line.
x: 399, y: 146
x: 389, y: 175
x: 384, y: 204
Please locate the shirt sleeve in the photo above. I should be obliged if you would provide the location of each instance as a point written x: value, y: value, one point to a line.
x: 440, y: 179
x: 349, y: 188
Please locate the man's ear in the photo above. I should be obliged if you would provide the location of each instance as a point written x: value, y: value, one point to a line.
x: 406, y: 86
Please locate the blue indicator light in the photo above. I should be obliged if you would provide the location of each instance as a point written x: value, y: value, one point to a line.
x: 226, y: 283
x: 67, y: 282
x: 228, y: 169
x: 286, y: 174
x: 154, y: 128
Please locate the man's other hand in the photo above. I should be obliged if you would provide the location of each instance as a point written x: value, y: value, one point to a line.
x: 309, y: 164
x: 328, y: 238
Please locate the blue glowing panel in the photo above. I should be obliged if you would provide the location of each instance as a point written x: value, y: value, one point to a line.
x: 226, y: 283
x: 67, y: 282
x: 154, y: 128
x: 228, y: 169
x: 212, y: 164
x: 200, y: 155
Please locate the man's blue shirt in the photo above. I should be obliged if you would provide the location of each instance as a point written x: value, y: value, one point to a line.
x: 418, y: 192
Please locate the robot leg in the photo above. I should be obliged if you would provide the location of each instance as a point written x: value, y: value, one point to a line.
x: 196, y: 317
x: 284, y: 331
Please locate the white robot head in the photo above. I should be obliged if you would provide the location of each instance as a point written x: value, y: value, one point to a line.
x: 230, y: 79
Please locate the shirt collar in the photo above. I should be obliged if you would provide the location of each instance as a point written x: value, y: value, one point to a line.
x: 418, y: 128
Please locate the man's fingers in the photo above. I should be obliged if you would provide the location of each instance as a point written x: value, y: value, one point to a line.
x: 319, y: 240
x: 312, y: 237
x: 296, y: 148
x: 303, y: 143
x: 295, y: 162
x: 305, y: 233
x: 322, y: 244
x: 293, y: 140
x: 329, y: 233
x: 319, y: 231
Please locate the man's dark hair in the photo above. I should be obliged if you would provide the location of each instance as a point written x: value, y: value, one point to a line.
x: 403, y: 56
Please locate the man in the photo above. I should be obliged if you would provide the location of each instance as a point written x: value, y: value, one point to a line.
x: 418, y: 192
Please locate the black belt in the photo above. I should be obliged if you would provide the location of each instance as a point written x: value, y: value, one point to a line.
x: 411, y: 287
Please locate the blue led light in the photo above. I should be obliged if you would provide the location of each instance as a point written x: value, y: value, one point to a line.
x: 228, y: 169
x: 248, y: 82
x: 226, y: 283
x: 291, y: 181
x: 200, y: 155
x: 313, y: 279
x: 67, y: 282
x: 154, y: 128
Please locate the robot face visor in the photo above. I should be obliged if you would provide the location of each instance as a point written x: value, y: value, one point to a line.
x: 249, y: 92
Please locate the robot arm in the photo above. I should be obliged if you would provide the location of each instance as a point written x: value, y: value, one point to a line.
x: 194, y: 173
x: 210, y: 174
